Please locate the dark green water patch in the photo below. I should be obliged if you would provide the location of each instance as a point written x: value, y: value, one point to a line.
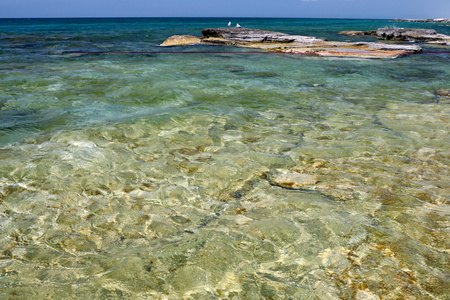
x: 414, y: 74
x: 235, y: 68
x: 263, y: 74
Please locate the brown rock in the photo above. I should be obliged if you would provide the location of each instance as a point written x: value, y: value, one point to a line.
x: 180, y: 40
x: 443, y: 93
x: 358, y: 33
x: 351, y: 32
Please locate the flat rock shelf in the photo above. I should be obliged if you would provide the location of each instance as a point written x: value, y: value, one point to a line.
x: 286, y: 43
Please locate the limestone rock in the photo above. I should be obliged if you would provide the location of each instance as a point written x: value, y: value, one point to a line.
x: 296, y: 44
x: 180, y: 40
x: 408, y: 34
x: 390, y: 47
x: 282, y: 42
x: 404, y: 34
x: 242, y: 220
x: 366, y: 295
x: 254, y: 35
x: 353, y: 50
x: 293, y: 180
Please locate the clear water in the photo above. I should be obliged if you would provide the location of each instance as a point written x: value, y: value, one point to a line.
x: 132, y: 176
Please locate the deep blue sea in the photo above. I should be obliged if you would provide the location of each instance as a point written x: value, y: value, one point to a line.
x: 134, y: 171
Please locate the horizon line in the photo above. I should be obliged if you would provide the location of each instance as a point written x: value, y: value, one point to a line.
x: 110, y: 17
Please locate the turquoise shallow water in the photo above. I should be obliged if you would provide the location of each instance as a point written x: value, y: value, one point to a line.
x: 133, y: 176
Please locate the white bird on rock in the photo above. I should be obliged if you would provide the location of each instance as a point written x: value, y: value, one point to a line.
x: 237, y: 25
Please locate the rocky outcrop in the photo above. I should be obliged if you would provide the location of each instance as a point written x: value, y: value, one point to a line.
x: 247, y: 35
x: 404, y: 34
x: 179, y: 40
x: 412, y: 34
x: 285, y: 43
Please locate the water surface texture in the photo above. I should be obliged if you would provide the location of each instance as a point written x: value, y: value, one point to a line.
x: 151, y: 175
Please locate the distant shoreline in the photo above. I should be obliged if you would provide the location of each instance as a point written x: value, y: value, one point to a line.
x: 423, y: 20
x: 440, y: 20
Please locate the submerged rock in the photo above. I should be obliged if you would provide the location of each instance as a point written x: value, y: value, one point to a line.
x: 235, y: 69
x: 263, y: 74
x: 293, y: 180
x: 357, y: 33
x: 309, y: 85
x: 296, y: 44
x: 443, y: 93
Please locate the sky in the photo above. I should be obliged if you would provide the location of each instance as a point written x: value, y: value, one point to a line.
x: 366, y: 9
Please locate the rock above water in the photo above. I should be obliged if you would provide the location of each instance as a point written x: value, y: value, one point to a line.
x: 404, y: 34
x: 254, y: 35
x: 180, y: 40
x: 296, y: 44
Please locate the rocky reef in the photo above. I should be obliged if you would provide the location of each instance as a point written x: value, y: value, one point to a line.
x: 404, y: 34
x: 286, y: 43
